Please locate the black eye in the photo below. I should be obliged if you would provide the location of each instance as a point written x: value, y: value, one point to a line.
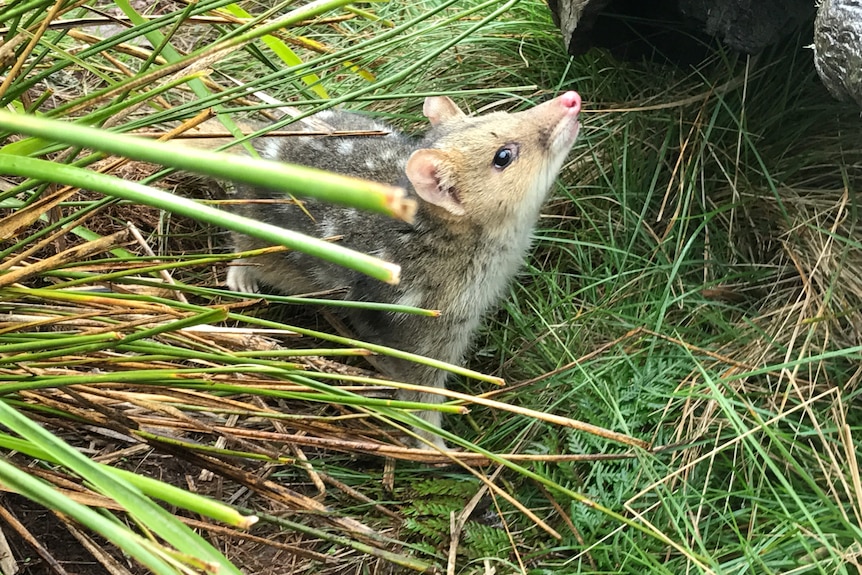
x: 505, y: 155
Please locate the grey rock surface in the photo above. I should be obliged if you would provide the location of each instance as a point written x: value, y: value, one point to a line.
x: 569, y: 15
x: 748, y: 26
x: 838, y: 48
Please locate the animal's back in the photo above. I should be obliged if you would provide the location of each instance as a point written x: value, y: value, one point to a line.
x: 374, y: 157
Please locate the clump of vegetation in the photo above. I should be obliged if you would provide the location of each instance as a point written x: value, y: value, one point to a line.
x: 694, y: 285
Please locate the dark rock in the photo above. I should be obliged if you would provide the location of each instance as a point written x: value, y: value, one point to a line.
x: 681, y: 31
x: 746, y: 26
x: 634, y: 30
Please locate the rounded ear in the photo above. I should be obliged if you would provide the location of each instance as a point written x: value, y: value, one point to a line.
x: 430, y: 173
x: 439, y: 109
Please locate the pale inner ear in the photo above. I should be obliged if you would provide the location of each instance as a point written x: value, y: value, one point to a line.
x: 430, y: 173
x: 439, y: 109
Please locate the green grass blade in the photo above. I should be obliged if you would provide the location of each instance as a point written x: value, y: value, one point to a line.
x: 153, y: 516
x: 149, y: 486
x: 298, y: 180
x: 283, y: 51
x: 133, y: 544
x: 138, y: 193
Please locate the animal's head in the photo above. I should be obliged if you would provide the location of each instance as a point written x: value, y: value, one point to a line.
x: 490, y: 168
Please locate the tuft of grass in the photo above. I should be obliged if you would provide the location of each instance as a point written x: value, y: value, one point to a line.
x: 693, y: 285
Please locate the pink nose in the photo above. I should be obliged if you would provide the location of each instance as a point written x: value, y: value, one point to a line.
x: 571, y: 100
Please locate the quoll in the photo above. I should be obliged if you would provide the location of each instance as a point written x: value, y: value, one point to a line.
x: 479, y: 182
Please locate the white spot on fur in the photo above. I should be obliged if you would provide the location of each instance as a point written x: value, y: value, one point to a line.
x: 370, y: 164
x: 328, y: 229
x: 272, y: 149
x: 345, y: 147
x: 321, y: 275
x: 317, y: 145
x: 325, y: 115
x: 411, y: 298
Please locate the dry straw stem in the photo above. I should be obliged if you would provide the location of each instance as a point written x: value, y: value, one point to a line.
x: 70, y: 255
x: 22, y: 218
x: 269, y: 542
x: 680, y: 471
x: 99, y: 552
x: 55, y: 11
x: 9, y: 565
x: 457, y: 524
x: 850, y: 453
x: 541, y: 416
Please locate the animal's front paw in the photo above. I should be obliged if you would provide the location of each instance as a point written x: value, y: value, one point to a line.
x: 435, y: 418
x: 241, y: 278
x: 436, y: 442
